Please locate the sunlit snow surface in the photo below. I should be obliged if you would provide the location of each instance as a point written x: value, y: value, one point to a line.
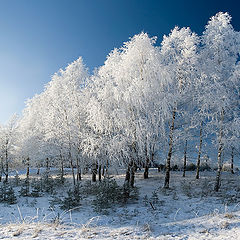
x: 189, y: 210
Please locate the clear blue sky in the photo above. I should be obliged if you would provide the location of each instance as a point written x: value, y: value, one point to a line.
x: 37, y: 37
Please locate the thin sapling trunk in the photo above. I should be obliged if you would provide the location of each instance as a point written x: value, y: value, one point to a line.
x: 168, y: 163
x: 94, y: 172
x: 219, y: 157
x: 232, y: 156
x: 185, y: 159
x: 99, y: 173
x: 199, y: 152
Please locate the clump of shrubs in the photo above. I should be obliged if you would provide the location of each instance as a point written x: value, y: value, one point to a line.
x: 7, y: 194
x: 191, y: 167
x: 109, y: 194
x: 72, y: 200
x: 205, y: 167
x: 106, y: 194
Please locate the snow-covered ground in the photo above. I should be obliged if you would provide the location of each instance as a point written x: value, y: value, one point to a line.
x: 188, y: 210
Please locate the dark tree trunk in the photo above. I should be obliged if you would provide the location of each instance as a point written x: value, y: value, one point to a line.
x: 103, y: 171
x: 168, y: 163
x: 152, y: 155
x: 132, y: 175
x: 219, y: 158
x: 1, y: 169
x: 145, y: 174
x: 185, y: 159
x: 199, y: 152
x: 47, y: 169
x: 27, y: 177
x: 28, y: 167
x: 47, y: 164
x: 80, y: 174
x: 129, y: 179
x: 232, y: 156
x: 6, y: 177
x: 127, y: 176
x: 126, y: 191
x: 78, y: 171
x: 62, y: 169
x: 99, y: 173
x: 94, y: 172
x: 6, y: 173
x: 72, y: 167
x: 218, y: 177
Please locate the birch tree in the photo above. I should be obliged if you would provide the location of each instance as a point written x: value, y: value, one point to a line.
x: 220, y: 53
x: 179, y: 54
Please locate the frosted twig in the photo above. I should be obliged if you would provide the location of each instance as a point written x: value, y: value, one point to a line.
x: 176, y: 214
x: 70, y: 215
x: 20, y: 214
x: 236, y: 205
x: 196, y: 213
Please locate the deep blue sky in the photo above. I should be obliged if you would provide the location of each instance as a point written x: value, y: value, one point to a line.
x: 37, y: 37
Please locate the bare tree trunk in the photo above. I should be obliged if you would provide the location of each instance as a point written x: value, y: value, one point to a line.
x: 27, y: 177
x: 94, y: 172
x: 152, y: 154
x: 103, y: 171
x: 127, y: 176
x: 232, y: 156
x: 146, y: 169
x: 28, y: 166
x: 132, y: 175
x: 185, y: 159
x: 6, y: 172
x: 199, y: 152
x: 218, y: 177
x: 126, y: 191
x: 168, y: 163
x: 1, y: 169
x: 72, y: 167
x: 219, y: 159
x: 107, y: 169
x: 62, y: 169
x: 80, y: 174
x: 78, y: 171
x: 99, y: 173
x: 145, y: 174
x: 47, y: 165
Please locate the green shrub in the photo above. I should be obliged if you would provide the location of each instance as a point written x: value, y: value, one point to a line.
x: 109, y: 193
x: 205, y: 167
x: 191, y: 167
x: 7, y: 194
x: 36, y: 187
x: 72, y: 200
x: 25, y: 188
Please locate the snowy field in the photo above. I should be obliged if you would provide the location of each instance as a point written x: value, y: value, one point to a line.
x: 188, y: 210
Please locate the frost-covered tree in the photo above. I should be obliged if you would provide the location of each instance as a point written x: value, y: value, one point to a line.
x: 7, y: 144
x: 220, y: 53
x: 64, y: 119
x: 179, y: 54
x: 52, y: 120
x: 125, y: 113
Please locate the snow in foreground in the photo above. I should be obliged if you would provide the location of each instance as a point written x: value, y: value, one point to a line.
x: 189, y: 210
x: 217, y: 227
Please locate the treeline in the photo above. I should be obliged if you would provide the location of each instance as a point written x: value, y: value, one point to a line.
x: 145, y: 101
